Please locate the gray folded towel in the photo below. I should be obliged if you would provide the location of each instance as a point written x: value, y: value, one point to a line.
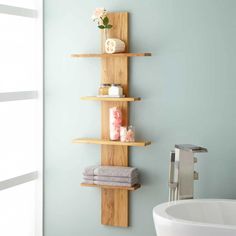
x: 89, y: 171
x: 88, y: 182
x: 88, y: 177
x: 116, y: 171
x: 113, y: 183
x: 112, y: 179
x: 116, y: 179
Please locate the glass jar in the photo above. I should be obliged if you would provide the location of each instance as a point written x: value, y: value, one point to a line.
x: 105, y: 36
x: 127, y: 134
x: 115, y: 90
x: 103, y: 89
x: 123, y: 133
x: 130, y: 135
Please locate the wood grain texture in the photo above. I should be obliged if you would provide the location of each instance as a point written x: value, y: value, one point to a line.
x: 115, y: 70
x: 115, y: 207
x: 126, y: 54
x: 109, y: 142
x: 136, y: 186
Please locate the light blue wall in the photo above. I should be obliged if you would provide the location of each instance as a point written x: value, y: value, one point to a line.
x: 188, y: 89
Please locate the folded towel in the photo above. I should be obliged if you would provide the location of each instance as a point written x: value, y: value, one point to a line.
x: 89, y: 171
x: 112, y: 179
x: 88, y: 182
x: 88, y: 177
x: 116, y: 179
x: 116, y: 171
x: 113, y: 183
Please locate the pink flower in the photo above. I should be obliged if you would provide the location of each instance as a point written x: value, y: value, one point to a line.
x: 99, y: 13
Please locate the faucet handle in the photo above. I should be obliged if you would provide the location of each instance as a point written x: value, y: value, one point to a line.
x: 191, y: 148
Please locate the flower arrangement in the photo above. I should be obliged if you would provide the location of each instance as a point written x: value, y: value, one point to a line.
x: 100, y: 16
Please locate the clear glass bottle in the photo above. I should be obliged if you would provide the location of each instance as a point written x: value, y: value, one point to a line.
x: 130, y: 135
x: 123, y: 133
x: 105, y: 36
x: 127, y: 134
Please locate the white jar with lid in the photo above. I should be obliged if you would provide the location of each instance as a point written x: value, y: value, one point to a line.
x: 115, y: 90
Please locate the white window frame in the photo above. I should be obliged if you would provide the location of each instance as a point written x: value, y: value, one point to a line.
x: 23, y: 95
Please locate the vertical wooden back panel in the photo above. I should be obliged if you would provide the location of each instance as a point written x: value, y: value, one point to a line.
x: 115, y: 70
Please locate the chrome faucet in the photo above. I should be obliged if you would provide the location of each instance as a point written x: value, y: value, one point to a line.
x: 181, y: 171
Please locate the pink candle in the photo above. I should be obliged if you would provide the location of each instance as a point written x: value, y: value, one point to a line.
x: 115, y: 116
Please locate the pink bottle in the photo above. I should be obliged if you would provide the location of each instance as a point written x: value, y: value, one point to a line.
x: 115, y: 119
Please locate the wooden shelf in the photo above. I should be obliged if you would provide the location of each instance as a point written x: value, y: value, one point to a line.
x: 103, y: 55
x: 136, y: 186
x: 111, y: 99
x: 115, y: 69
x: 109, y: 142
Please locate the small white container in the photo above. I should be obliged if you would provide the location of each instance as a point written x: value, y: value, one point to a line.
x: 115, y: 90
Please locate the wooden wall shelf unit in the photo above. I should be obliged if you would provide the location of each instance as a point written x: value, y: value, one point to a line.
x: 115, y: 199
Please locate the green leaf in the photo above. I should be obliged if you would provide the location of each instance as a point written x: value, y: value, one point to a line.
x: 108, y: 26
x: 105, y: 20
x: 101, y: 27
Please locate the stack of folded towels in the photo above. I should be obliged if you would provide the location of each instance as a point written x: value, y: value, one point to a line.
x: 111, y: 175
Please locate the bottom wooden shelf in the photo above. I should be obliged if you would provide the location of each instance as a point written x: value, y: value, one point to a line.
x: 136, y: 186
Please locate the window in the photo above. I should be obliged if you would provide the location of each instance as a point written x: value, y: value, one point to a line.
x: 21, y: 117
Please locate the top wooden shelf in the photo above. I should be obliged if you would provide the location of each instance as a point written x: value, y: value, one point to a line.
x: 104, y: 55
